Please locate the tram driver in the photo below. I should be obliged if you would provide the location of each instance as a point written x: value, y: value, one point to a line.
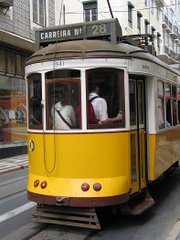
x: 100, y: 106
x: 63, y: 115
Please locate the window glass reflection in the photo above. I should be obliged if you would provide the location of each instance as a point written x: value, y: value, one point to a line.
x: 12, y: 111
x: 63, y: 100
x: 35, y: 97
x: 160, y: 105
x: 105, y: 93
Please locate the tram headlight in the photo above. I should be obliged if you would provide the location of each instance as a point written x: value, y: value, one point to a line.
x: 43, y: 184
x: 97, y: 187
x: 85, y: 187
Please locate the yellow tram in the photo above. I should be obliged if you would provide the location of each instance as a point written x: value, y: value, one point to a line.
x: 91, y: 165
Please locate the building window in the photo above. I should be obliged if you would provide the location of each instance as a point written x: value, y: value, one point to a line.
x: 139, y: 15
x: 158, y: 41
x: 152, y: 6
x: 11, y: 63
x: 12, y: 110
x: 153, y: 31
x: 90, y: 11
x: 130, y: 20
x: 146, y: 26
x: 157, y: 12
x: 39, y: 12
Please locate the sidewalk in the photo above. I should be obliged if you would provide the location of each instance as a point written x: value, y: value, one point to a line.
x: 13, y: 163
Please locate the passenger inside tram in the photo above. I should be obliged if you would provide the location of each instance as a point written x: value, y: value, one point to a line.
x: 100, y: 105
x: 63, y: 115
x: 36, y: 116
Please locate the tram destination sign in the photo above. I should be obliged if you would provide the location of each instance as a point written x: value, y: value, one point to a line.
x: 107, y: 29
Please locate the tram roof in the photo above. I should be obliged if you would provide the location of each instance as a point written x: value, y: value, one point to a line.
x: 91, y: 48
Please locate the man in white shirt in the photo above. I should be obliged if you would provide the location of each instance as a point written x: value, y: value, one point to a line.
x: 100, y: 107
x: 63, y: 116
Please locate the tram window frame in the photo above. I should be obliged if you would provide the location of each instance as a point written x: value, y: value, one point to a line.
x: 132, y: 102
x: 178, y: 104
x: 174, y: 105
x: 34, y: 101
x: 60, y: 80
x: 161, y: 104
x: 168, y: 96
x: 115, y: 101
x: 141, y: 103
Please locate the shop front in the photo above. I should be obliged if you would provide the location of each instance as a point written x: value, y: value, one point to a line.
x: 13, y: 121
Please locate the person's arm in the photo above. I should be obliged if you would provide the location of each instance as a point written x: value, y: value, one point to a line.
x: 119, y: 117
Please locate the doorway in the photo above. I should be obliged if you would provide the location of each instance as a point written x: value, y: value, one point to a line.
x: 137, y: 133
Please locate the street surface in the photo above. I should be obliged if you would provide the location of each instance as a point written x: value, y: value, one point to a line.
x: 161, y: 222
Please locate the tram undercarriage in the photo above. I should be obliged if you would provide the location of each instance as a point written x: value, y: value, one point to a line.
x: 90, y: 217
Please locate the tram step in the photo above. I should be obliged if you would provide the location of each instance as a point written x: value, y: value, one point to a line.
x: 76, y: 217
x: 137, y: 207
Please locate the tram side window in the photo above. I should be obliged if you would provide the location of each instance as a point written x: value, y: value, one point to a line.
x: 34, y: 99
x: 63, y: 98
x: 132, y: 95
x: 160, y: 105
x: 168, y: 104
x: 174, y: 104
x: 178, y: 104
x: 105, y: 98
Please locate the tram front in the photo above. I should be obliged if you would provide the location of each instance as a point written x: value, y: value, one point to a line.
x: 75, y: 159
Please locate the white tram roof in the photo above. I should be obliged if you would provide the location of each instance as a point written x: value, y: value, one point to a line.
x: 93, y: 48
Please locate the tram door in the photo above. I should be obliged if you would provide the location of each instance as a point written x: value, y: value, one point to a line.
x: 137, y: 134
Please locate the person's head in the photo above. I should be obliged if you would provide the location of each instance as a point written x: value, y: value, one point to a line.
x: 60, y: 97
x: 35, y: 103
x: 94, y: 87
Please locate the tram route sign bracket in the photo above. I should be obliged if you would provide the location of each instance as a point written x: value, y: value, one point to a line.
x: 108, y: 29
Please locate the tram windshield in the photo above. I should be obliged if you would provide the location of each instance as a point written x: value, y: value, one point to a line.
x: 105, y: 92
x: 63, y: 97
x: 102, y: 106
x: 35, y: 98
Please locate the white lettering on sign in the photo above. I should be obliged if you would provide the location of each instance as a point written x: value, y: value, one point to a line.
x: 77, y: 31
x: 60, y: 33
x: 99, y: 29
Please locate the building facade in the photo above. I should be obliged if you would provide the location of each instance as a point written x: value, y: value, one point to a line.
x: 171, y: 31
x: 156, y: 17
x: 18, y: 21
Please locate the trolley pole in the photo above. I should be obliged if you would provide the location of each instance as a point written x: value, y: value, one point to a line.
x: 110, y: 9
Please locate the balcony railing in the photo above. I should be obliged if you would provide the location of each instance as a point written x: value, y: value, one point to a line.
x: 166, y: 50
x: 6, y: 3
x: 165, y: 19
x: 175, y: 29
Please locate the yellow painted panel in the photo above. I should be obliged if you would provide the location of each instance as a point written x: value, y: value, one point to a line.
x: 152, y: 147
x: 92, y: 155
x: 175, y: 144
x: 72, y: 187
x: 164, y: 151
x: 70, y: 159
x: 81, y: 155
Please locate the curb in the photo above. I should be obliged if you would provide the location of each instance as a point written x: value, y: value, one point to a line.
x: 175, y: 232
